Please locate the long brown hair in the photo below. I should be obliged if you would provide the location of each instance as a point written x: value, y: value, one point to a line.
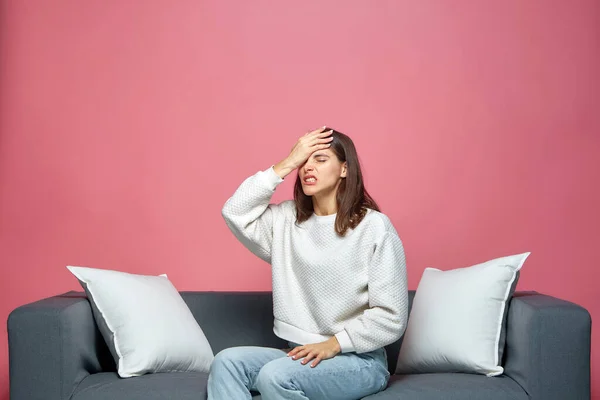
x: 352, y: 198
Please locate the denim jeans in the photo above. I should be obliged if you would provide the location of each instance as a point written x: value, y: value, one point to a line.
x: 236, y: 371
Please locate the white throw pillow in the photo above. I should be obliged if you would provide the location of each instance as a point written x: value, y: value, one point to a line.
x: 145, y: 322
x: 458, y: 317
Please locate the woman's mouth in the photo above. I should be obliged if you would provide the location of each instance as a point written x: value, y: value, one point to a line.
x: 309, y: 180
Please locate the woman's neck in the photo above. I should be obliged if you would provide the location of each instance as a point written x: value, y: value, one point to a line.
x: 325, y: 206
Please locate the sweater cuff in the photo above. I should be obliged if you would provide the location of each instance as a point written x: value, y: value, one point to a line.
x: 345, y: 342
x: 271, y: 178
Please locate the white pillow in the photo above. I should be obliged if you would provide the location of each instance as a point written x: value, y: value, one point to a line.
x: 457, y: 320
x: 145, y: 322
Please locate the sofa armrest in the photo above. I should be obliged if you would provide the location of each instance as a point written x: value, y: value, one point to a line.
x: 53, y: 345
x: 548, y: 347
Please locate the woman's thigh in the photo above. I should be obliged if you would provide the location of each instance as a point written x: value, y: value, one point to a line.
x: 247, y: 360
x: 345, y: 376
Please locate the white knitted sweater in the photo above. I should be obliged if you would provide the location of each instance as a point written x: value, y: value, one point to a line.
x: 353, y: 287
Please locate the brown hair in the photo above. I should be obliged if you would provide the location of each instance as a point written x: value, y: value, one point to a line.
x: 352, y: 197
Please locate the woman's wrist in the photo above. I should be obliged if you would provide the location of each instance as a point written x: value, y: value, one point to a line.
x: 283, y: 168
x: 335, y: 344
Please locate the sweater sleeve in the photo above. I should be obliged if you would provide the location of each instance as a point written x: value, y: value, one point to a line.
x: 249, y: 214
x: 385, y: 320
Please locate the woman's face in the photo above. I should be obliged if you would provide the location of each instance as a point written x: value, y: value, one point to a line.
x: 321, y: 173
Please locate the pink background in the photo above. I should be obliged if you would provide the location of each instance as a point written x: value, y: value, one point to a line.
x: 125, y: 125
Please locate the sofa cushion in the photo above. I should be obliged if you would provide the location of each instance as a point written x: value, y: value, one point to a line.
x: 157, y: 386
x: 145, y: 322
x: 192, y: 386
x: 231, y: 319
x: 450, y: 386
x: 458, y: 319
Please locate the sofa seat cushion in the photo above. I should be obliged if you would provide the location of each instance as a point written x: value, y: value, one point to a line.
x: 192, y: 385
x: 158, y: 386
x: 450, y: 386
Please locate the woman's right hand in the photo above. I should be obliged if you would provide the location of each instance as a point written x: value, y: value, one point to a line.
x: 308, y: 144
x: 304, y: 147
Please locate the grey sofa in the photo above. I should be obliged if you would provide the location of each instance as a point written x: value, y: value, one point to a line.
x: 57, y: 353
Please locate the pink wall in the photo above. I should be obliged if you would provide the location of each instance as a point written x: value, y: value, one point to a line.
x: 124, y: 128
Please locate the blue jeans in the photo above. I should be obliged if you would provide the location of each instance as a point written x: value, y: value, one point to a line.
x: 236, y: 371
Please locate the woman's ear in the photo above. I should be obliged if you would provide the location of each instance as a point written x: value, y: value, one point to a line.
x: 344, y: 169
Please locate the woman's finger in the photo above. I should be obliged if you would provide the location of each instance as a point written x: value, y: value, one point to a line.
x: 294, y: 351
x: 325, y: 139
x: 323, y: 135
x: 321, y: 138
x: 317, y: 361
x: 309, y: 357
x: 318, y: 131
x: 300, y: 354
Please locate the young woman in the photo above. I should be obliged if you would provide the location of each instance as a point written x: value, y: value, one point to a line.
x: 339, y: 279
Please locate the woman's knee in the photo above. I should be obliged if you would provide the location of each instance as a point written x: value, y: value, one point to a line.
x: 272, y: 375
x: 227, y: 359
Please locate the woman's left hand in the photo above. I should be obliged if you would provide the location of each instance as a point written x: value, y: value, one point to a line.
x: 319, y: 351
